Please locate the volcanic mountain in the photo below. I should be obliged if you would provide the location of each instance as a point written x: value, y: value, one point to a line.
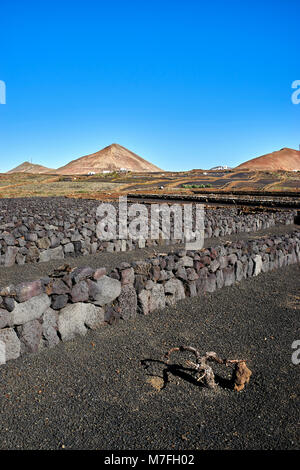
x: 111, y: 158
x: 28, y: 167
x: 285, y: 159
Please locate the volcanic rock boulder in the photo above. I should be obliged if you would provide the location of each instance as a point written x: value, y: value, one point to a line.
x: 10, y: 346
x: 74, y: 319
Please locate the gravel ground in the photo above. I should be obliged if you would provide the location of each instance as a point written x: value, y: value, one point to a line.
x: 111, y: 389
x: 32, y: 271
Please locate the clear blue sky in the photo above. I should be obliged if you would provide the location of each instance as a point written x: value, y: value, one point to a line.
x: 185, y: 84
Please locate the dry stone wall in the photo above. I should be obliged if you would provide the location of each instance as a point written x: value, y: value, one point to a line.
x: 43, y: 229
x: 39, y: 314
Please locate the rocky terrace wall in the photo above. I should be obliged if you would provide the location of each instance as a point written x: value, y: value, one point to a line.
x: 43, y: 229
x: 39, y: 314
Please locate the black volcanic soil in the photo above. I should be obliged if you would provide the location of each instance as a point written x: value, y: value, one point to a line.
x: 112, y: 390
x: 103, y: 391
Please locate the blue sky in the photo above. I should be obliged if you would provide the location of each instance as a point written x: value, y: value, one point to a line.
x: 185, y: 84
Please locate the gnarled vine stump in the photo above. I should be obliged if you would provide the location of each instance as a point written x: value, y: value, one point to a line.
x: 241, y: 373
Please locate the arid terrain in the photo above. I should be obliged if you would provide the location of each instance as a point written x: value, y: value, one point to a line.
x: 114, y: 157
x: 150, y: 230
x: 114, y: 183
x: 285, y: 159
x: 115, y: 170
x: 28, y: 167
x: 118, y: 391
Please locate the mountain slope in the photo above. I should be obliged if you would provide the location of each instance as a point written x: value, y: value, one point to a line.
x: 28, y: 167
x: 285, y: 159
x: 113, y: 157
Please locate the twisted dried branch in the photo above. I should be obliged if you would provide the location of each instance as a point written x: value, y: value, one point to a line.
x: 241, y: 373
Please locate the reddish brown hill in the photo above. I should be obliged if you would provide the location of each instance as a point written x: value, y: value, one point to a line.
x: 285, y: 159
x: 28, y: 167
x: 112, y: 158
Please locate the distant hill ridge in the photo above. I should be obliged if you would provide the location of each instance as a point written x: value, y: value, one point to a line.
x: 111, y: 158
x: 28, y: 167
x: 114, y: 157
x: 286, y: 159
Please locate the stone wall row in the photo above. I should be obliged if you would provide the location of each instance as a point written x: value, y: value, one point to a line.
x: 39, y: 314
x: 54, y: 228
